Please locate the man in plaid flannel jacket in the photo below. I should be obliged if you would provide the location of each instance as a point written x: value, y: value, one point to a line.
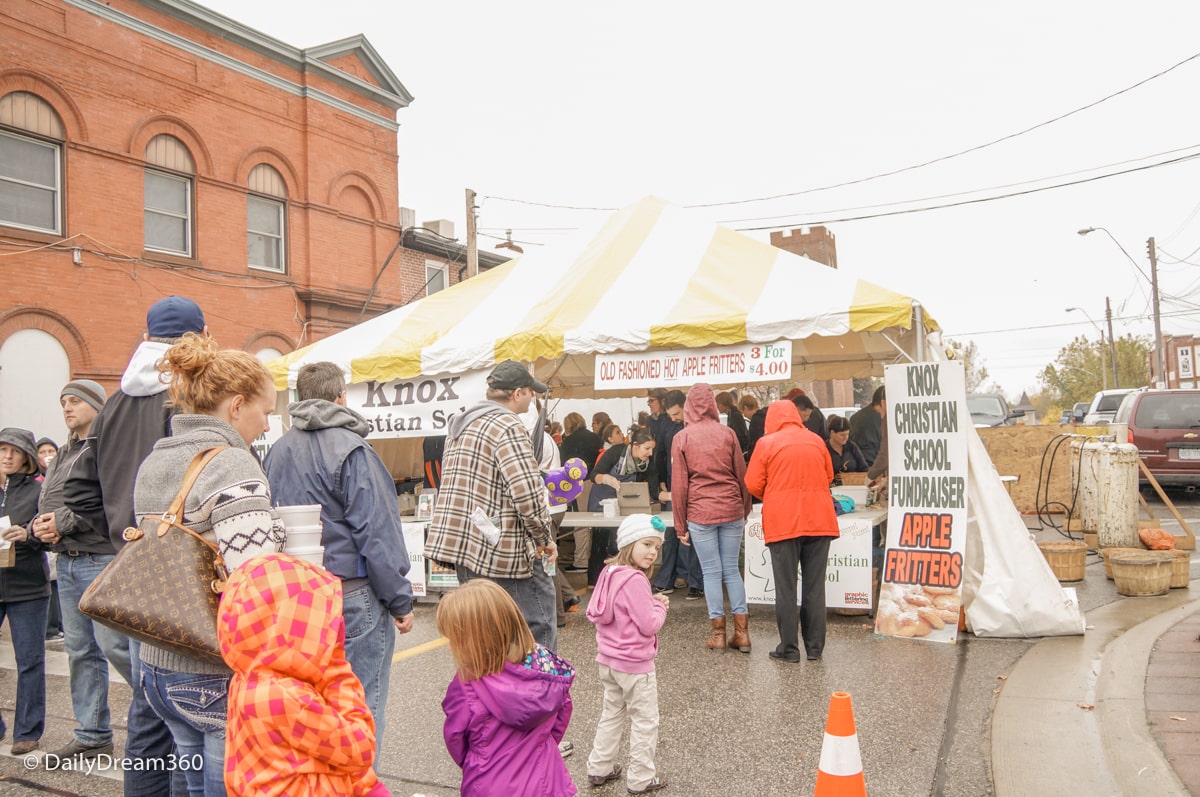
x: 489, y: 465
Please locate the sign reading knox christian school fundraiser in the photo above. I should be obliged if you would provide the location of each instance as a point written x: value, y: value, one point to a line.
x: 927, y: 501
x: 417, y: 407
x: 748, y: 362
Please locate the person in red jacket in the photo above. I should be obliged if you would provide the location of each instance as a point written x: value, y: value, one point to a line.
x: 790, y: 470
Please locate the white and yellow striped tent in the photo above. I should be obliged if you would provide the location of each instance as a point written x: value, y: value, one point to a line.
x: 649, y: 278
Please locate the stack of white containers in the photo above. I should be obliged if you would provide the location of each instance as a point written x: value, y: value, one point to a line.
x: 303, y: 526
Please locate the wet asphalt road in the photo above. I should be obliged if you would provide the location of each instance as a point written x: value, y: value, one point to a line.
x: 731, y: 723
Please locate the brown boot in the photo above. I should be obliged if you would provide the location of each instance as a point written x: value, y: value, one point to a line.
x: 741, y: 633
x: 716, y: 638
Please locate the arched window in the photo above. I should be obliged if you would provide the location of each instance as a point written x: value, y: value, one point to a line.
x: 266, y: 219
x: 169, y: 185
x: 31, y: 136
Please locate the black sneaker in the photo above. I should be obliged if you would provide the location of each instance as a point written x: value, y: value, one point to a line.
x: 662, y: 590
x: 693, y: 594
x: 573, y: 569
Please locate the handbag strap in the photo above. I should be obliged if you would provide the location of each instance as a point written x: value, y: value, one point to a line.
x: 175, y: 511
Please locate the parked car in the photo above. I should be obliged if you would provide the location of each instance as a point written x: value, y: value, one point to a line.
x: 1079, y: 411
x: 1104, y: 404
x: 991, y: 409
x: 1165, y: 427
x: 1066, y: 418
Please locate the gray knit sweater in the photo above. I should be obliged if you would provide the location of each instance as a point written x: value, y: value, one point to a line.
x: 229, y: 504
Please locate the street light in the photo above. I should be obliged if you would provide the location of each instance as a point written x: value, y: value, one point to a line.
x: 1103, y: 370
x: 1160, y: 355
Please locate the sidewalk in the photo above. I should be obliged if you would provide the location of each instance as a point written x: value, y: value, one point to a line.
x: 1114, y: 712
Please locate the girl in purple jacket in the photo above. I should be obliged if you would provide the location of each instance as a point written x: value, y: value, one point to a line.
x: 627, y: 616
x: 509, y: 703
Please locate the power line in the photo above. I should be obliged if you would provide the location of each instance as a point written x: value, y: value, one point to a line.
x: 973, y: 190
x: 1009, y: 195
x: 893, y: 172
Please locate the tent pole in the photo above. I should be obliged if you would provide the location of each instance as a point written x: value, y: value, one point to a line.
x: 919, y: 328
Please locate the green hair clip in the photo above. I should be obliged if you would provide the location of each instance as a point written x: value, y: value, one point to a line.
x: 657, y: 524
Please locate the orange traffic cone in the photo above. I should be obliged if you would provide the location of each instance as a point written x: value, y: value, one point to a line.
x: 840, y: 773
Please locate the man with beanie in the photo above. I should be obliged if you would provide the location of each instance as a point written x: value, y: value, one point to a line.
x: 490, y: 471
x: 325, y: 459
x: 83, y: 551
x: 99, y: 490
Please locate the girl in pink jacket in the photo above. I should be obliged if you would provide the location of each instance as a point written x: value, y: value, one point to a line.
x: 627, y: 617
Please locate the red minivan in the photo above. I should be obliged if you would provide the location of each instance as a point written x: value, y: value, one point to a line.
x: 1165, y: 427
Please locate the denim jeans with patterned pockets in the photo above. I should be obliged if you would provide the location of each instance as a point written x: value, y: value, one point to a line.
x: 194, y: 706
x: 90, y: 648
x: 370, y: 641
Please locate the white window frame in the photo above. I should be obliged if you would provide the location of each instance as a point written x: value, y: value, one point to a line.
x: 186, y: 216
x: 280, y: 238
x: 56, y: 187
x: 431, y: 266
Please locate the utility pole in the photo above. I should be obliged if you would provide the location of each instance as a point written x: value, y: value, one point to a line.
x: 1159, y: 354
x: 472, y: 241
x: 1112, y: 342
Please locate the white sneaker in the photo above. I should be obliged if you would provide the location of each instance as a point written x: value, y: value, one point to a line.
x: 565, y: 749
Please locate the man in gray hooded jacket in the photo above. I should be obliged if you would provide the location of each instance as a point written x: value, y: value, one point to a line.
x: 324, y: 459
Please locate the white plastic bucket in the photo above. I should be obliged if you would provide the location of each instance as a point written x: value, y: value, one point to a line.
x: 302, y: 537
x: 314, y: 554
x: 299, y: 515
x: 609, y: 507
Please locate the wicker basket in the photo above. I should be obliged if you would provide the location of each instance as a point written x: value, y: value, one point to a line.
x: 1105, y: 553
x: 1067, y: 559
x: 1180, y: 566
x: 1092, y: 540
x: 1142, y: 573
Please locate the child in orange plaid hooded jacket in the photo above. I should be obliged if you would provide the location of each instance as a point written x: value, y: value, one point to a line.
x: 298, y: 718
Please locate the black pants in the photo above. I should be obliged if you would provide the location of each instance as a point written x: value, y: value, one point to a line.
x: 806, y: 557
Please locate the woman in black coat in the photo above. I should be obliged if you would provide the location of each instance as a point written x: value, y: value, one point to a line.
x: 25, y: 585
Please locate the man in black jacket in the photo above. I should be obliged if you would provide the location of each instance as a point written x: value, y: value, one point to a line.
x: 83, y: 551
x: 100, y: 490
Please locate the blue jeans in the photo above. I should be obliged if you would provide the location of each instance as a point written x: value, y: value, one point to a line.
x: 370, y: 641
x: 678, y: 560
x: 534, y: 596
x: 717, y: 547
x: 27, y: 621
x: 90, y: 647
x: 194, y: 706
x: 148, y: 738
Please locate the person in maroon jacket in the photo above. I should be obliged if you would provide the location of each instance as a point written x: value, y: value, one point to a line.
x: 710, y: 503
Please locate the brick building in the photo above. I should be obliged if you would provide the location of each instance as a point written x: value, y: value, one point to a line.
x: 154, y: 147
x: 819, y: 245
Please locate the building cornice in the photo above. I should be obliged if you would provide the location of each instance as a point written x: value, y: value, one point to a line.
x: 392, y: 93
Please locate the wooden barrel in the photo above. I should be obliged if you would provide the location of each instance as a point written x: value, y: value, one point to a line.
x: 1180, y: 566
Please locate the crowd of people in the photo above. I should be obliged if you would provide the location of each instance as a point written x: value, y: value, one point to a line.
x: 299, y: 701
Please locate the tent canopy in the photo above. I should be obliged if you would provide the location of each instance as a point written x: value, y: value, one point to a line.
x: 649, y: 278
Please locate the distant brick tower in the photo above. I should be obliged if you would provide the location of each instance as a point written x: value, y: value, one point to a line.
x: 815, y: 243
x: 819, y: 245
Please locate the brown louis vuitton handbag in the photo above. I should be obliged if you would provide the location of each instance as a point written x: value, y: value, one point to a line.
x: 165, y: 584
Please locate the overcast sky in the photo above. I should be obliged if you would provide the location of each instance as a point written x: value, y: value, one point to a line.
x: 597, y: 104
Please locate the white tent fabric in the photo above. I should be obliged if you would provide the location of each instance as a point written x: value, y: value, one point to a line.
x: 1009, y: 589
x: 650, y: 277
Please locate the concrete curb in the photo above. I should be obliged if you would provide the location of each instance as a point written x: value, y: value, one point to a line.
x: 1045, y: 740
